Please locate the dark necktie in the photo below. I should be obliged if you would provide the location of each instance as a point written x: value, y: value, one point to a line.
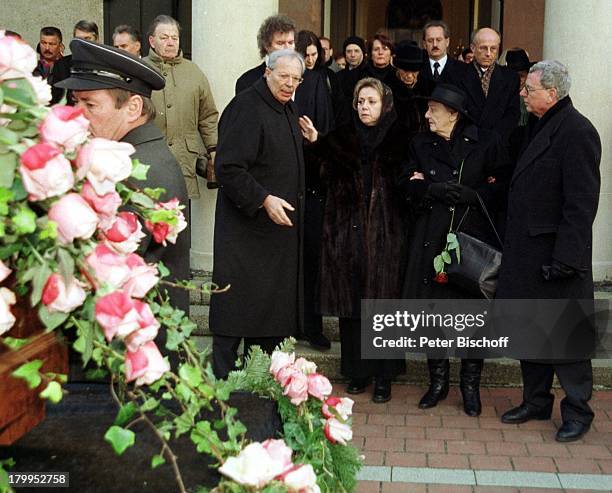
x: 436, y: 74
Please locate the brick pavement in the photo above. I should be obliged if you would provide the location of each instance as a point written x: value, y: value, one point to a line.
x: 399, y: 434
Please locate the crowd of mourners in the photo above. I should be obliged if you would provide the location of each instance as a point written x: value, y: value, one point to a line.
x: 341, y: 175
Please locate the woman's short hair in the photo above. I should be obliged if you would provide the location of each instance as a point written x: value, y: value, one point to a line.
x: 306, y: 39
x: 553, y: 75
x: 386, y: 96
x: 278, y: 54
x: 384, y: 40
x: 273, y: 24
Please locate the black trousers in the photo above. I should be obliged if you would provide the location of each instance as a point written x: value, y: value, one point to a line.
x: 225, y: 351
x: 576, y: 380
x: 313, y: 222
x: 351, y: 364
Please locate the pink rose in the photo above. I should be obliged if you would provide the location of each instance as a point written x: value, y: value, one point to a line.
x: 253, y: 466
x: 142, y: 276
x: 125, y: 233
x: 106, y: 206
x: 58, y: 297
x: 337, y: 432
x: 146, y: 365
x: 297, y: 388
x: 279, y: 452
x: 4, y: 271
x: 284, y: 374
x: 280, y: 360
x: 104, y: 163
x: 65, y: 126
x: 74, y: 218
x: 305, y: 366
x: 148, y: 327
x: 319, y: 386
x: 42, y: 90
x: 301, y: 479
x: 17, y: 58
x: 342, y: 406
x: 45, y: 172
x: 108, y: 267
x: 163, y: 231
x: 117, y: 315
x: 7, y: 319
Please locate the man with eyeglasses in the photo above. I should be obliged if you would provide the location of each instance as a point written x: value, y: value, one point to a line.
x: 552, y: 203
x: 186, y: 111
x: 493, y: 90
x: 259, y: 215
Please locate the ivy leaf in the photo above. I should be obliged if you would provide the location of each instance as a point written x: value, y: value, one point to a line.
x: 14, y: 343
x: 125, y: 414
x: 173, y: 339
x: 446, y: 257
x: 438, y: 263
x: 29, y: 373
x: 8, y: 165
x: 149, y: 404
x: 139, y: 170
x: 53, y: 392
x: 24, y: 220
x: 120, y: 438
x: 51, y: 320
x: 157, y: 460
x: 294, y: 436
x: 154, y: 193
x: 190, y: 374
x: 163, y: 270
x: 139, y: 198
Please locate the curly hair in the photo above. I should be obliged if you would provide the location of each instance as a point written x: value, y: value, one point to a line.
x: 273, y: 24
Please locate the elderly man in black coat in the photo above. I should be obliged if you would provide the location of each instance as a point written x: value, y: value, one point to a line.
x: 493, y: 90
x: 553, y: 200
x: 258, y: 222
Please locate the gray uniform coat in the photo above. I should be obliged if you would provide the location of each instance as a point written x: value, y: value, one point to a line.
x: 259, y: 153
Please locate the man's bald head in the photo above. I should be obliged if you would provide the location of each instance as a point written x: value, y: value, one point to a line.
x: 485, y: 45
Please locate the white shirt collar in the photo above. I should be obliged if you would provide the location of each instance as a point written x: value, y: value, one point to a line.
x: 442, y: 63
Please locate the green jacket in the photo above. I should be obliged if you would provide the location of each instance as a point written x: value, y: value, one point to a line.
x: 186, y: 114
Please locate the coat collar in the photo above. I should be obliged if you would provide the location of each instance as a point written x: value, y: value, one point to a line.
x: 157, y: 60
x: 145, y: 133
x: 261, y: 87
x: 541, y: 141
x: 466, y: 142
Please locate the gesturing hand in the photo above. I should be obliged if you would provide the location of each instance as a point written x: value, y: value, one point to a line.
x: 275, y: 207
x: 308, y: 129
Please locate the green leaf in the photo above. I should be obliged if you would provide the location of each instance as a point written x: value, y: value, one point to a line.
x: 48, y: 229
x: 173, y: 339
x: 458, y: 253
x: 8, y: 137
x: 163, y: 270
x: 24, y: 220
x: 451, y: 238
x: 438, y: 263
x: 65, y: 264
x: 53, y: 392
x: 29, y: 373
x: 157, y: 460
x: 38, y: 283
x: 154, y: 193
x: 14, y: 343
x: 51, y: 320
x: 446, y: 257
x: 9, y: 250
x: 139, y: 198
x: 149, y: 404
x: 184, y: 392
x: 139, y: 170
x: 190, y: 374
x: 294, y: 435
x: 8, y: 165
x: 20, y: 91
x: 120, y: 438
x: 126, y: 413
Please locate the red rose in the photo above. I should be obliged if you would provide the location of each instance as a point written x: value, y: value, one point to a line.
x: 441, y: 278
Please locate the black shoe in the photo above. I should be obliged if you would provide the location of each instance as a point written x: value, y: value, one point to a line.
x: 524, y: 413
x: 438, y: 387
x: 319, y: 341
x: 470, y: 386
x: 357, y: 385
x: 571, y: 431
x: 471, y: 400
x: 382, y: 390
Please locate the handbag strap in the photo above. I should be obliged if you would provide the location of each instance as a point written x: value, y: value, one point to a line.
x: 486, y: 213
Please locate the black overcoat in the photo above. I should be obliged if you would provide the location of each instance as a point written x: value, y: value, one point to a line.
x: 164, y: 172
x: 363, y: 238
x: 500, y: 109
x: 259, y: 153
x: 483, y: 156
x: 552, y: 203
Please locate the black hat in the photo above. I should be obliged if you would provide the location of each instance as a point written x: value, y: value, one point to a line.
x: 451, y: 96
x: 354, y: 40
x: 518, y: 60
x: 98, y: 66
x: 408, y: 56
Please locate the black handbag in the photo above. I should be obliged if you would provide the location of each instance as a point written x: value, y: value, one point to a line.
x: 476, y: 267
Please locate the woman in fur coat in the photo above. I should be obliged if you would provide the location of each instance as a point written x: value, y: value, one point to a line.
x: 363, y: 231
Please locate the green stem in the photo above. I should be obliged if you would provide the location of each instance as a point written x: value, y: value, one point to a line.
x: 36, y: 253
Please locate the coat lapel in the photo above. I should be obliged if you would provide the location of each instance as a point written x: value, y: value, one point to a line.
x: 496, y: 88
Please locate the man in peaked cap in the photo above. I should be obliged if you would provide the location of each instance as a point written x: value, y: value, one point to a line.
x: 114, y: 89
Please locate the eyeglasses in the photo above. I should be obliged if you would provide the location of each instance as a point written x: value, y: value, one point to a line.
x: 286, y: 77
x: 529, y: 90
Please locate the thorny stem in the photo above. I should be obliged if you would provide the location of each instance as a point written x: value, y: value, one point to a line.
x: 215, y: 290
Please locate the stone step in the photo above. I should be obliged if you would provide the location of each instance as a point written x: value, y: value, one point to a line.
x: 501, y: 372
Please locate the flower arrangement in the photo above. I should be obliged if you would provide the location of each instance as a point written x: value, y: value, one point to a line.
x: 71, y: 226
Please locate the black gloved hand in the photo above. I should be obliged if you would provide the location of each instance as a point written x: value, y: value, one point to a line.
x: 557, y: 271
x: 466, y: 195
x: 444, y: 192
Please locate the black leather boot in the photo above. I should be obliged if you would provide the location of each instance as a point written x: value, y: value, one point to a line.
x: 470, y: 386
x: 382, y: 390
x: 438, y: 383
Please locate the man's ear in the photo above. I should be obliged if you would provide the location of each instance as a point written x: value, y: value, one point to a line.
x: 134, y: 107
x: 267, y: 72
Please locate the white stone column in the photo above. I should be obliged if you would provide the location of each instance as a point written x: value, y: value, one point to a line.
x: 577, y: 34
x: 224, y: 37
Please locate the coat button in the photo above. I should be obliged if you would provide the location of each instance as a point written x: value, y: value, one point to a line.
x: 165, y: 74
x: 169, y: 105
x: 425, y: 280
x: 354, y: 226
x: 426, y: 244
x: 451, y: 209
x: 170, y: 143
x: 300, y: 196
x: 432, y: 172
x: 455, y: 173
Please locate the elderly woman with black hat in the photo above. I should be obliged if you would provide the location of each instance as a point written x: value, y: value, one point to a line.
x: 449, y: 167
x: 363, y: 240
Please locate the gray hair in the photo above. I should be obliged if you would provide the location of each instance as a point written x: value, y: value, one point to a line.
x: 553, y: 74
x: 275, y: 56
